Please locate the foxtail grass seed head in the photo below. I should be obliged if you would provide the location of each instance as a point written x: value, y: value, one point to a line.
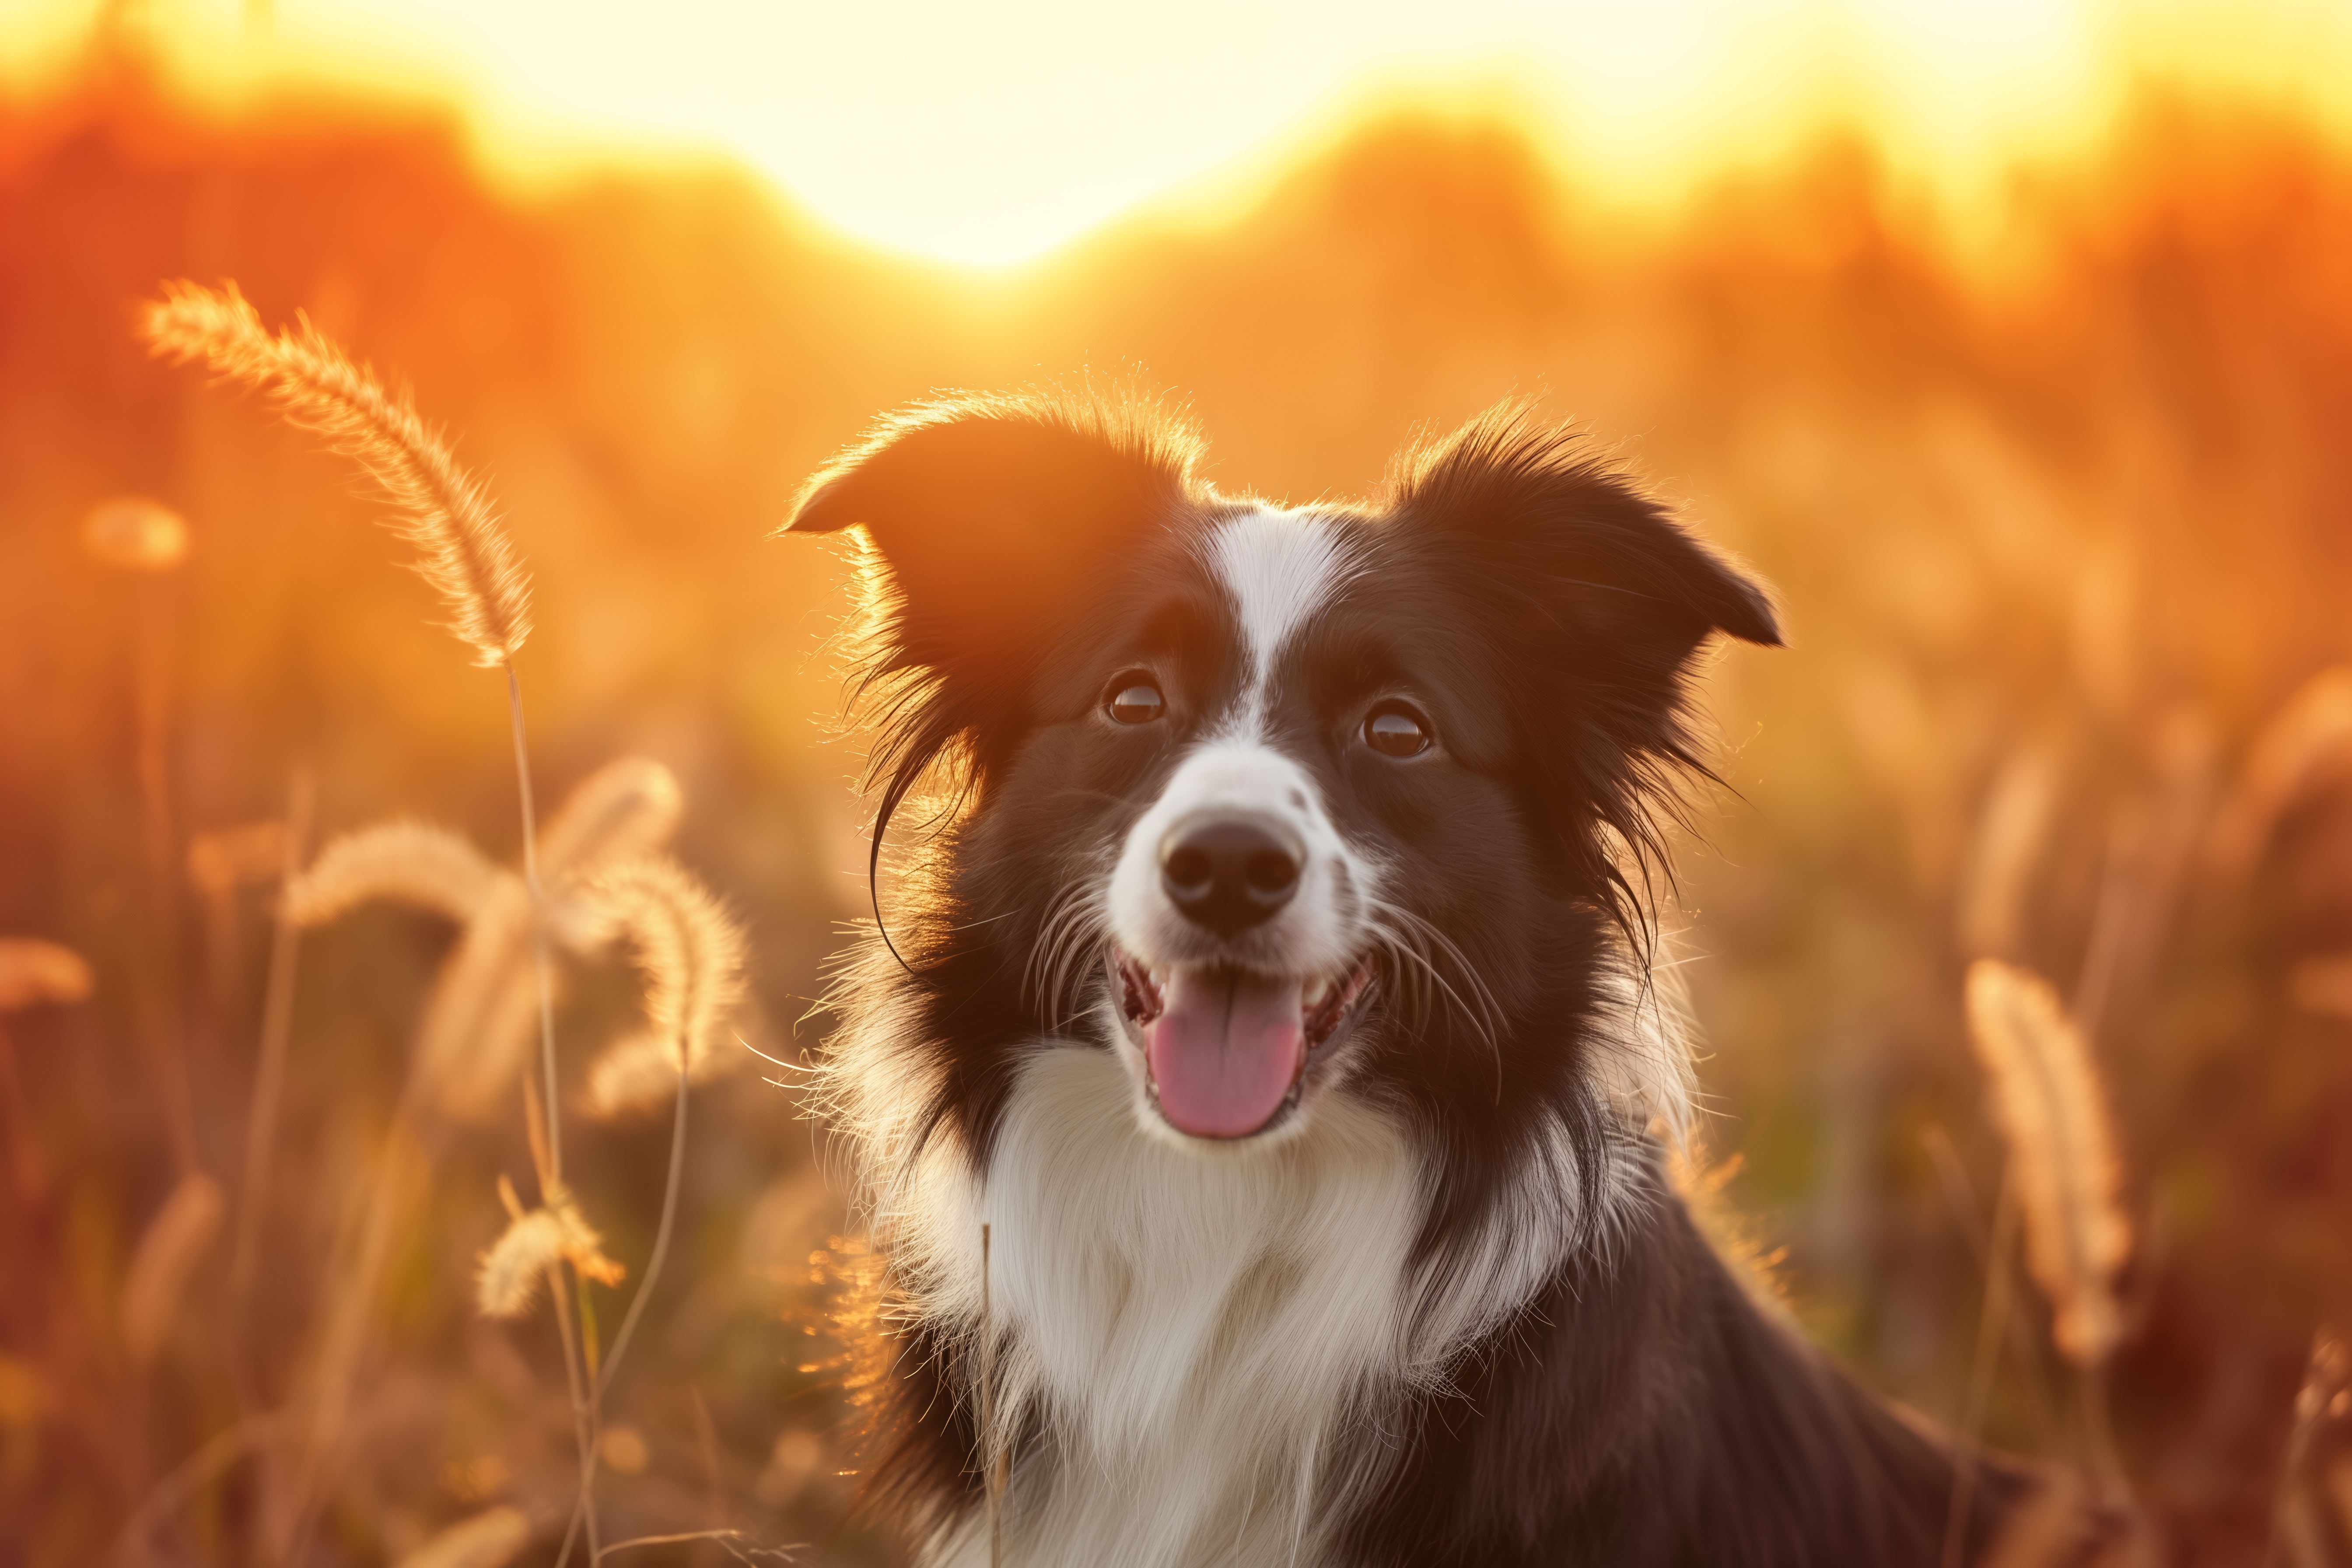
x: 482, y: 1018
x: 692, y: 955
x: 491, y: 1539
x: 512, y: 1269
x: 167, y: 1253
x: 2051, y: 1106
x: 228, y: 858
x: 403, y: 862
x: 33, y: 971
x: 462, y: 551
x: 131, y: 534
x: 617, y: 813
x: 636, y: 1073
x: 2004, y: 852
x: 2311, y: 733
x: 534, y: 1242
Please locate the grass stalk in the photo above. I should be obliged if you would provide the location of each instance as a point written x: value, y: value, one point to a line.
x: 550, y: 1135
x: 1992, y: 1325
x: 537, y: 1119
x: 162, y: 1025
x: 465, y: 556
x: 249, y: 1435
x: 269, y: 1069
x: 395, y: 1190
x: 737, y: 1544
x: 645, y: 1281
x: 584, y: 1509
x: 554, y: 1127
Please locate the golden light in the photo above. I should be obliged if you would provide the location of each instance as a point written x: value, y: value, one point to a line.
x: 135, y: 535
x: 988, y: 135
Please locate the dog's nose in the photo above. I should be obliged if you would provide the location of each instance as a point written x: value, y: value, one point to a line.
x: 1228, y: 873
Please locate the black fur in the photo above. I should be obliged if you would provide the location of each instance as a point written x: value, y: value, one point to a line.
x: 1646, y: 1411
x: 1643, y: 1409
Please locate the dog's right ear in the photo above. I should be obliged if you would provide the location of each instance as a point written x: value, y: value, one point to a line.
x: 990, y: 516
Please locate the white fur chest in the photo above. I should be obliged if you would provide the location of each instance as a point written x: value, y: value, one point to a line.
x: 1194, y: 1330
x: 1213, y: 1339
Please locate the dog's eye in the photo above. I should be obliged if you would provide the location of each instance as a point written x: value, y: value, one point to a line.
x: 1396, y: 731
x: 1134, y: 700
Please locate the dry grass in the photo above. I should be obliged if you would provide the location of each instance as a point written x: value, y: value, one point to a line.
x: 532, y: 1249
x: 588, y: 876
x: 168, y: 1252
x: 438, y: 506
x: 692, y: 955
x: 2080, y: 512
x: 2052, y: 1108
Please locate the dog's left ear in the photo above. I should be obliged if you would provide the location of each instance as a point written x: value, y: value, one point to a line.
x: 1597, y: 562
x: 991, y: 513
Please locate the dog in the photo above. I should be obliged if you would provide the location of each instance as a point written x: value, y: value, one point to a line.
x: 1260, y: 1090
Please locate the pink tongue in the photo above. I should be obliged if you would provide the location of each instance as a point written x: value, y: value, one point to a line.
x: 1225, y: 1051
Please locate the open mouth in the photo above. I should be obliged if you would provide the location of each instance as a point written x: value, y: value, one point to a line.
x: 1225, y: 1049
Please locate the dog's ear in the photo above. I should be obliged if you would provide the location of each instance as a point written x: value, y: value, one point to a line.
x: 989, y: 514
x: 1602, y: 600
x: 1577, y: 545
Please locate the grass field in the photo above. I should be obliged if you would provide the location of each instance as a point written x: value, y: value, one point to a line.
x: 2063, y: 524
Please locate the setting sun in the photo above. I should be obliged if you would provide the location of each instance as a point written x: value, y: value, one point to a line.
x: 988, y: 135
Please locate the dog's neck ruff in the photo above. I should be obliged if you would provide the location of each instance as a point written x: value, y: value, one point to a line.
x: 1203, y: 1345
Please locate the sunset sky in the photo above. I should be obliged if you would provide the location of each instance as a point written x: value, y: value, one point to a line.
x: 989, y: 135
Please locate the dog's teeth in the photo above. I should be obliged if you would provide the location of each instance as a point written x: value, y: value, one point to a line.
x: 1317, y: 993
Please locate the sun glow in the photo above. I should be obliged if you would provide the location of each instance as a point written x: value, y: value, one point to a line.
x: 988, y: 135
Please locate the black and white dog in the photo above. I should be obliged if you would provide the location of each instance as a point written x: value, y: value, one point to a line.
x: 1277, y: 986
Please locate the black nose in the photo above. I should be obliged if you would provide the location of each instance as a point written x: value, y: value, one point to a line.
x: 1228, y: 873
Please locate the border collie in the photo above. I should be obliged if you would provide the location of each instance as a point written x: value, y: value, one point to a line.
x: 1277, y: 986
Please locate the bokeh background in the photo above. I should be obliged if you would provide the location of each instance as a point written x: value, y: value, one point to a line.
x: 2016, y: 354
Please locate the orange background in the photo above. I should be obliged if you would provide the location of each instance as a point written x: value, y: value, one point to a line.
x: 2067, y: 512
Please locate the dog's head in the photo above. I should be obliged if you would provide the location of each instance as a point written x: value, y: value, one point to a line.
x: 1273, y: 801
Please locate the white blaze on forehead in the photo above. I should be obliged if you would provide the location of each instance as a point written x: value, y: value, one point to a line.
x: 1280, y: 567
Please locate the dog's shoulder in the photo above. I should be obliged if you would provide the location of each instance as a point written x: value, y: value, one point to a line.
x: 1648, y: 1408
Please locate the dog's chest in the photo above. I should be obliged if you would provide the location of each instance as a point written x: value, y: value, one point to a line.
x: 1205, y: 1344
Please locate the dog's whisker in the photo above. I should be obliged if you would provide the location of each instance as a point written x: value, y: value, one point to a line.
x: 1037, y: 974
x: 1071, y: 933
x: 1482, y: 1017
x: 1408, y: 933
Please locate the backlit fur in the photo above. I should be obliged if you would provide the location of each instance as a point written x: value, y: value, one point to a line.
x: 1442, y: 1306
